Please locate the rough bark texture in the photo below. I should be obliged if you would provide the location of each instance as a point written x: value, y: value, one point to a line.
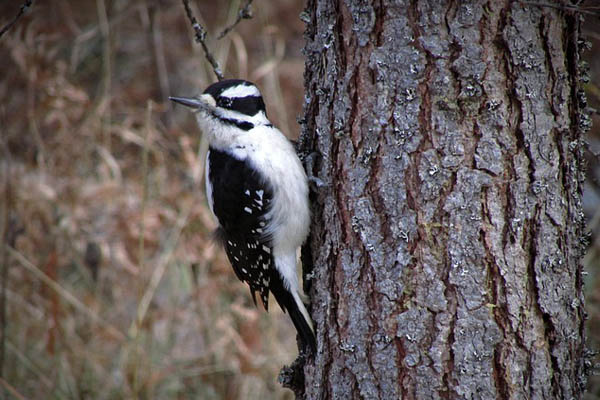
x: 446, y: 240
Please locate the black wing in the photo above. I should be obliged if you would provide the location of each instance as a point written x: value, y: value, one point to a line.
x: 241, y: 199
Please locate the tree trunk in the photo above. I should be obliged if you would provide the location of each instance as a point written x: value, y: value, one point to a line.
x: 446, y: 239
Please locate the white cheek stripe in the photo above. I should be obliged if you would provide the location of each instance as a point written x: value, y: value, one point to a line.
x: 241, y: 91
x: 257, y: 119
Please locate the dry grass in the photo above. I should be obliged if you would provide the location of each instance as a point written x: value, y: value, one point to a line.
x: 113, y: 287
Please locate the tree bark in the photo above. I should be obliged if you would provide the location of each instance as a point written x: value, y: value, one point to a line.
x: 444, y: 257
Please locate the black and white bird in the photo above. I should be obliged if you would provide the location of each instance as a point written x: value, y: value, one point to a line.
x: 258, y: 190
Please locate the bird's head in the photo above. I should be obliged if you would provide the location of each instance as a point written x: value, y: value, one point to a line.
x: 232, y: 102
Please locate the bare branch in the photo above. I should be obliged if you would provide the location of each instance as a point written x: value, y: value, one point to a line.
x: 201, y: 38
x: 244, y: 13
x: 22, y: 11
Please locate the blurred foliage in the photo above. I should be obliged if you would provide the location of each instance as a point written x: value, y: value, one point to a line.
x: 114, y: 288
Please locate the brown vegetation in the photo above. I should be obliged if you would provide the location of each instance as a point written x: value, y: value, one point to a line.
x: 113, y: 286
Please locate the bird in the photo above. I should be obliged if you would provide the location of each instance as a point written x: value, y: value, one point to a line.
x: 258, y: 191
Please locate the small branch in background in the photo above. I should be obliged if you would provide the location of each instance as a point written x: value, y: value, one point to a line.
x: 154, y: 15
x: 24, y: 7
x: 201, y: 38
x: 104, y: 25
x: 244, y: 13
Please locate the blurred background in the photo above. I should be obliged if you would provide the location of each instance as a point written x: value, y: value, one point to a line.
x: 114, y: 289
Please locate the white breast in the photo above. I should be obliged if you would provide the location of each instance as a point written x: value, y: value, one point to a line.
x: 272, y: 154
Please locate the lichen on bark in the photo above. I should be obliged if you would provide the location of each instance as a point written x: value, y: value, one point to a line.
x: 444, y: 256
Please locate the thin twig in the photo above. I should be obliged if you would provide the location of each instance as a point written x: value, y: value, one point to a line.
x: 22, y: 11
x: 244, y: 13
x: 106, y: 71
x: 201, y: 38
x: 146, y: 180
x: 159, y: 56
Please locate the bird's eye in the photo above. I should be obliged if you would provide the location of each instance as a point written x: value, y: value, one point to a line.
x: 224, y: 102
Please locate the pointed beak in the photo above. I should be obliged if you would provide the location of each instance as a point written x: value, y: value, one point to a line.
x: 187, y: 101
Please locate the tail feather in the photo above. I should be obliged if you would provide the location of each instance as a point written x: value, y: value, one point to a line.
x: 302, y: 322
x: 292, y: 303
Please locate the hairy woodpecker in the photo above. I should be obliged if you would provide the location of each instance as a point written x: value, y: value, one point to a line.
x: 257, y: 189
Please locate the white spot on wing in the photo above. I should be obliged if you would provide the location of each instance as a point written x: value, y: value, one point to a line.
x: 248, y: 210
